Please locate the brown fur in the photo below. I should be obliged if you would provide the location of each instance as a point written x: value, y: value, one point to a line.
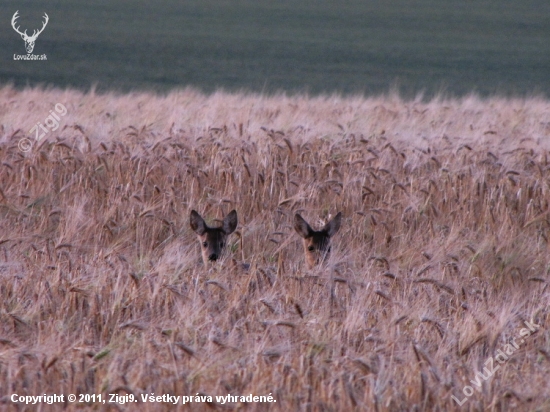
x: 316, y: 243
x: 212, y: 239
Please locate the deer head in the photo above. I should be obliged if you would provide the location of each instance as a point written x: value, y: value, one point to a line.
x: 316, y: 242
x: 29, y: 40
x: 212, y: 239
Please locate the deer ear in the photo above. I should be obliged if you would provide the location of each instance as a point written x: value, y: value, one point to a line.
x: 333, y: 226
x: 230, y: 222
x: 302, y: 227
x: 197, y: 223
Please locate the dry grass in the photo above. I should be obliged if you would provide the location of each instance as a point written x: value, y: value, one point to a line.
x: 442, y: 254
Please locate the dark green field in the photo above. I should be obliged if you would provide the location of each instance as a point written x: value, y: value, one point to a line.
x: 355, y: 46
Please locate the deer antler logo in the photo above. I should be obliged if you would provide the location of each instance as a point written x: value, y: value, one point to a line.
x: 29, y: 40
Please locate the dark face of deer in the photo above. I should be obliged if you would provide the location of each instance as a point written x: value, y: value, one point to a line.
x: 213, y: 239
x: 316, y: 242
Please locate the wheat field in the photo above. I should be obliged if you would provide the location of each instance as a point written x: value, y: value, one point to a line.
x: 441, y: 259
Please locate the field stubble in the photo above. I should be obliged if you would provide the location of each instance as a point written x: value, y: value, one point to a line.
x: 441, y: 257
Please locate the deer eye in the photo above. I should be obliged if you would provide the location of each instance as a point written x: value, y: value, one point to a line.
x: 222, y: 245
x: 311, y: 248
x: 204, y: 244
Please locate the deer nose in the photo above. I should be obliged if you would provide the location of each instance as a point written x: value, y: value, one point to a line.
x: 213, y: 256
